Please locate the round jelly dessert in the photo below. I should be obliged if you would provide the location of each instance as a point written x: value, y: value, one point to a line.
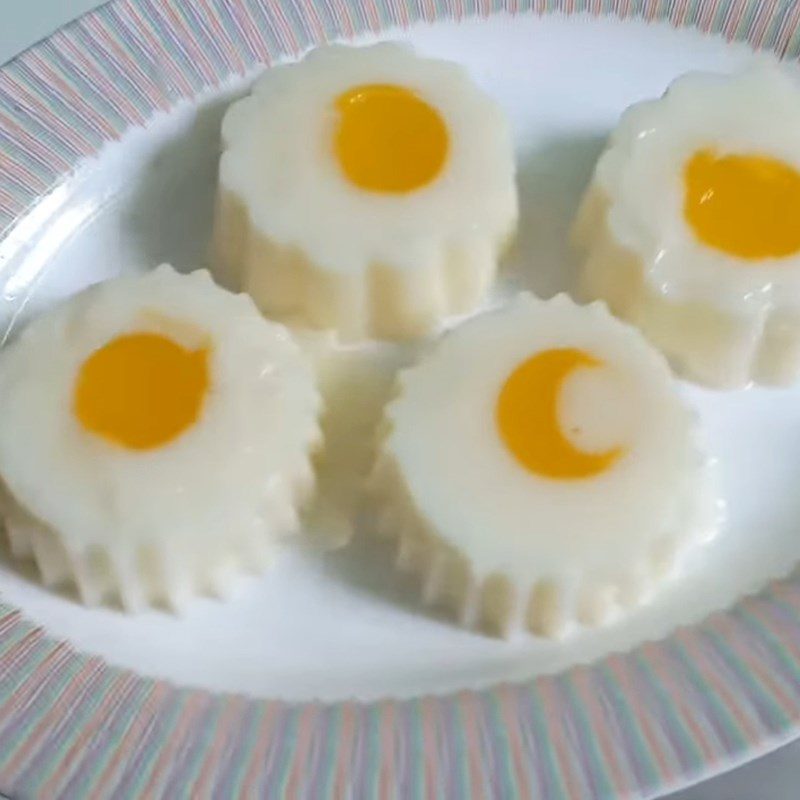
x: 367, y: 190
x: 538, y: 469
x: 156, y: 439
x: 689, y: 228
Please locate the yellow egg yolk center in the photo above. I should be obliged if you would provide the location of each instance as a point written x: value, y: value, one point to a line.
x: 745, y: 205
x: 141, y: 390
x: 527, y: 417
x: 388, y: 139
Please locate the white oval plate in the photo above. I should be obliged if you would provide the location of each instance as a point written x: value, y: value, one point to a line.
x: 111, y: 137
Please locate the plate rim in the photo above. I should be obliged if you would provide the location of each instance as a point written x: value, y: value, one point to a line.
x: 656, y: 718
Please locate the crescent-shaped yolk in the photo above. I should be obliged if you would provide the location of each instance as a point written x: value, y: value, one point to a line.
x: 745, y: 205
x: 141, y: 390
x: 527, y: 417
x: 388, y: 139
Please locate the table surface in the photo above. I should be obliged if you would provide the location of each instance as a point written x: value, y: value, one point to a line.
x: 773, y: 777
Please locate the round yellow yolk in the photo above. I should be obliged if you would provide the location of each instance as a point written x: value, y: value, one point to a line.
x: 527, y: 417
x: 388, y: 139
x: 141, y: 390
x: 745, y: 205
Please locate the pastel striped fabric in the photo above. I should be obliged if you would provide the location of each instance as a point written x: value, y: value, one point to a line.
x: 629, y: 726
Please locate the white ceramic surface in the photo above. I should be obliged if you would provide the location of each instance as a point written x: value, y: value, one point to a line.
x: 741, y: 560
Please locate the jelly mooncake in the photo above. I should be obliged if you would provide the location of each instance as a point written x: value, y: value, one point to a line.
x: 155, y: 441
x: 691, y: 226
x: 538, y: 469
x: 367, y: 190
